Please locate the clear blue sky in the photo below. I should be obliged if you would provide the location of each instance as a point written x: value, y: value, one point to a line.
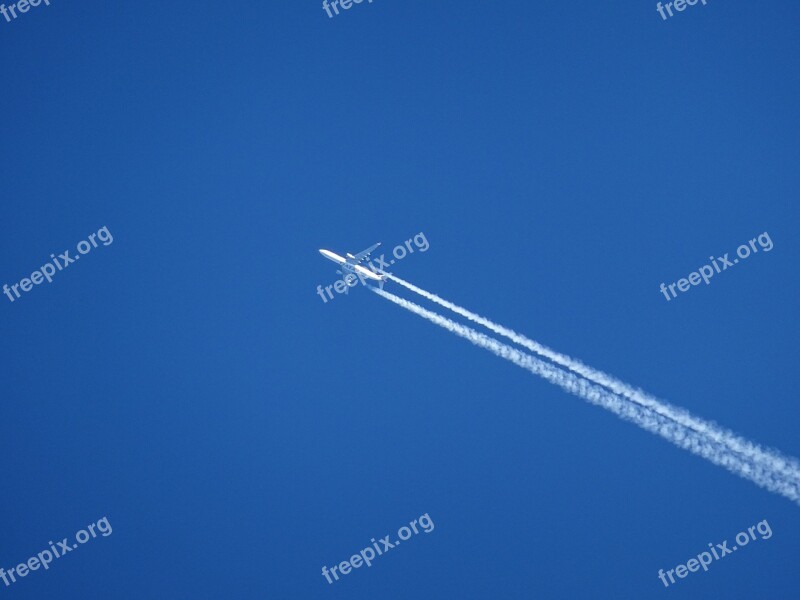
x: 563, y: 160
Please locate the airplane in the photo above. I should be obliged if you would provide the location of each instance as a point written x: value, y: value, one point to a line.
x: 352, y: 264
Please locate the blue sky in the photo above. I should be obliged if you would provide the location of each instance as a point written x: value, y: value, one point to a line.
x: 562, y: 159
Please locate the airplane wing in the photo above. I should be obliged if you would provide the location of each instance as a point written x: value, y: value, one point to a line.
x: 363, y: 256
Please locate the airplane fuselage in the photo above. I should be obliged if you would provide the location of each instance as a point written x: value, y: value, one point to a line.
x: 339, y: 260
x: 348, y: 265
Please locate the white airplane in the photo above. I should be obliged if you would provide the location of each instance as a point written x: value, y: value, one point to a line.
x: 353, y: 264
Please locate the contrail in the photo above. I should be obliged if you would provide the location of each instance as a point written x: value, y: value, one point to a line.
x: 773, y: 458
x: 694, y: 441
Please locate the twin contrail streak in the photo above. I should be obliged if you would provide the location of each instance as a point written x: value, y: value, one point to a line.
x: 696, y: 441
x: 769, y: 457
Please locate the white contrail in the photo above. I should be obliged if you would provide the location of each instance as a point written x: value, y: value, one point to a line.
x: 773, y: 458
x: 694, y: 441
